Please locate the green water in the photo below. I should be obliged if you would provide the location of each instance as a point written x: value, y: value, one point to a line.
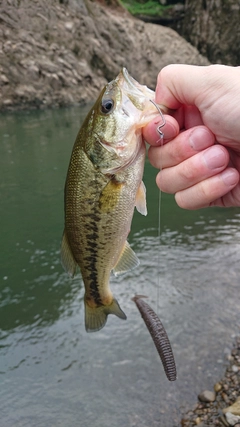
x: 52, y: 372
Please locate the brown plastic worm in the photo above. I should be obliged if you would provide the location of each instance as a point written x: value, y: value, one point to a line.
x: 159, y: 336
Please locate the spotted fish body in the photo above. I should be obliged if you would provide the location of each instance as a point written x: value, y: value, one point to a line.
x: 103, y: 185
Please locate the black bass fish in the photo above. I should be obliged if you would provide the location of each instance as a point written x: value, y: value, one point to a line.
x: 103, y: 185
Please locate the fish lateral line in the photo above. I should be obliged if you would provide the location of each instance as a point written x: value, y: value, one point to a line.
x: 159, y: 336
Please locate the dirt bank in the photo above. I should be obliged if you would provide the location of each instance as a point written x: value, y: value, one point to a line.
x: 58, y: 53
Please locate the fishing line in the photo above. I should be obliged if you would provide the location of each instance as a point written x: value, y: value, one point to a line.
x: 175, y: 402
x: 159, y: 142
x: 159, y: 245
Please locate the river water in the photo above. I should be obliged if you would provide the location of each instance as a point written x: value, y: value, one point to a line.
x: 52, y: 373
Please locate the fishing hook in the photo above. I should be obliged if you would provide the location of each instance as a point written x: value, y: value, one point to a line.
x: 160, y: 132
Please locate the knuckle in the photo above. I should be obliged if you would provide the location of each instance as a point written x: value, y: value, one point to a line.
x: 163, y: 181
x: 187, y: 174
x: 181, y: 200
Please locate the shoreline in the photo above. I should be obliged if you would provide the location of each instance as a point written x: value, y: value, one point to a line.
x: 221, y: 399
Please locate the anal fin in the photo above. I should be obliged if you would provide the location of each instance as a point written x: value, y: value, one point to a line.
x: 127, y: 261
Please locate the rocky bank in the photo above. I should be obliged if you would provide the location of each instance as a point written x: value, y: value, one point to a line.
x: 58, y: 53
x: 221, y: 405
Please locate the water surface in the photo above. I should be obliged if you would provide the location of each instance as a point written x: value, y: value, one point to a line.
x: 52, y: 372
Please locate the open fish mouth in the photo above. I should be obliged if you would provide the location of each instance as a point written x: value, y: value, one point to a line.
x: 141, y: 96
x: 135, y: 89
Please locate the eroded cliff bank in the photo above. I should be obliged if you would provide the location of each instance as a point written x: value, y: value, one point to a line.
x: 56, y: 54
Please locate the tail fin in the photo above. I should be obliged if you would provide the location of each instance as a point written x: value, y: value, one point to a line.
x: 95, y: 318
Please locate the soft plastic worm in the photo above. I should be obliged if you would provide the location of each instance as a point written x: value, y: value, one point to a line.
x: 159, y: 336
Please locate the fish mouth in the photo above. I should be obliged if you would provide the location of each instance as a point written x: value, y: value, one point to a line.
x: 134, y: 88
x: 140, y: 95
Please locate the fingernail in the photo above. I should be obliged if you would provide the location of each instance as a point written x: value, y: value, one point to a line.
x: 230, y: 177
x: 215, y: 157
x: 200, y: 138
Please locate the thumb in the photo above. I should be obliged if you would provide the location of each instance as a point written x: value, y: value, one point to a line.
x: 181, y: 84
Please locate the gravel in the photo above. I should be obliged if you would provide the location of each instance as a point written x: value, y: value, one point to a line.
x: 227, y: 393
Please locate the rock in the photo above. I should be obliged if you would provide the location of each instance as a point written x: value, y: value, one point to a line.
x: 217, y: 387
x: 7, y: 102
x: 3, y: 79
x: 199, y: 423
x: 225, y: 397
x: 69, y: 26
x: 23, y: 91
x: 232, y: 419
x: 45, y: 64
x: 207, y: 396
x: 234, y: 408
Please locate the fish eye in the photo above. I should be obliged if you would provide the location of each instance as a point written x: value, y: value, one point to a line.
x: 107, y: 106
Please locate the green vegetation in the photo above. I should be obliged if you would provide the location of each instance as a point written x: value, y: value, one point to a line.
x: 151, y: 7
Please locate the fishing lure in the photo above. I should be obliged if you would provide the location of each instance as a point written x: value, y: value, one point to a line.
x: 159, y: 336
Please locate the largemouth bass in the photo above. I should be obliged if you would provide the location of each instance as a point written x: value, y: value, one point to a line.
x: 103, y: 185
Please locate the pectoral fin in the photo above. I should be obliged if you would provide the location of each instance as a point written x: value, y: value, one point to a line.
x: 127, y: 261
x: 109, y: 196
x: 67, y: 259
x: 141, y: 203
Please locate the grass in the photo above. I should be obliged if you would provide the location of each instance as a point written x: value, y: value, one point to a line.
x: 151, y: 7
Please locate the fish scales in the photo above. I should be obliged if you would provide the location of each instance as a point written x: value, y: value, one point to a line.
x: 103, y: 185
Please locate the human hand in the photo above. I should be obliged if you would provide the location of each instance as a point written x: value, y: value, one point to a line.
x: 201, y: 164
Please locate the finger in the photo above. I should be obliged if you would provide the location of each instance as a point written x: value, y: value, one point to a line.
x: 187, y: 116
x: 218, y: 190
x: 181, y: 84
x: 183, y: 146
x: 208, y: 88
x: 192, y: 116
x: 193, y: 170
x: 170, y: 130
